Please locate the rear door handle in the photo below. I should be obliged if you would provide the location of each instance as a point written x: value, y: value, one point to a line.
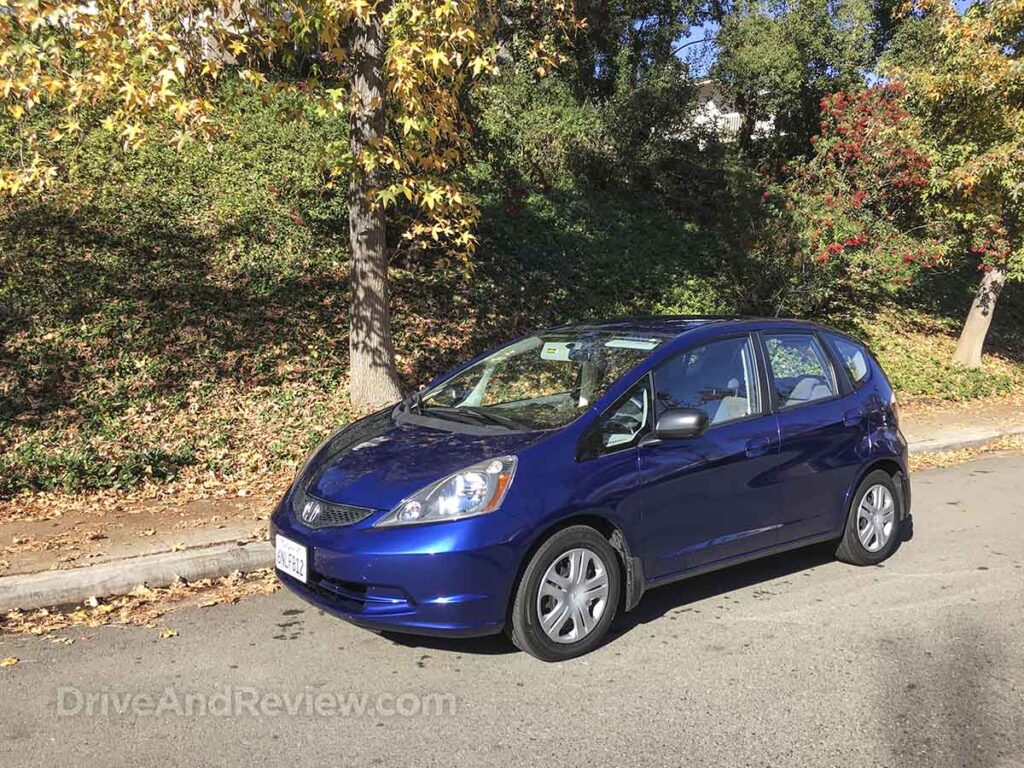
x: 759, y: 446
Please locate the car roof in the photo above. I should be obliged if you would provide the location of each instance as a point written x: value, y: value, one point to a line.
x: 675, y: 325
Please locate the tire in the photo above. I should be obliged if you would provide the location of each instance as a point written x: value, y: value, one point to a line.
x: 852, y: 547
x: 555, y: 563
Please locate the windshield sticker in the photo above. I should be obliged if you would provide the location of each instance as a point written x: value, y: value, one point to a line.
x: 632, y: 343
x: 557, y: 350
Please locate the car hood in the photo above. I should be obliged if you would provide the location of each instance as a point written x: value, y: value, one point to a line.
x: 376, y: 462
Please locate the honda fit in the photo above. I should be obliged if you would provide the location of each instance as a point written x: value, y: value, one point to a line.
x: 544, y: 486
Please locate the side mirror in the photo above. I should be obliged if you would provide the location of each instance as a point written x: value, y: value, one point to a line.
x: 679, y: 423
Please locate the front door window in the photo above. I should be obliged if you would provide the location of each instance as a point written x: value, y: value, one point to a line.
x: 718, y: 378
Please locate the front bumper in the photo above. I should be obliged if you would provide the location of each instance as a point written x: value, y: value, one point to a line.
x: 451, y: 579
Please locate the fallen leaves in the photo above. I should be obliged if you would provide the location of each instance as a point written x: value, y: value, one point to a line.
x: 1010, y: 444
x: 166, y: 633
x: 10, y: 661
x: 259, y: 490
x: 110, y: 531
x: 144, y: 607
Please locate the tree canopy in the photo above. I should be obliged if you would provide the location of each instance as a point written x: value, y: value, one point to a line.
x: 965, y: 81
x: 780, y: 60
x: 533, y: 94
x: 129, y: 63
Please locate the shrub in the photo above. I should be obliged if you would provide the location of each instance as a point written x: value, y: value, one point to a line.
x: 846, y: 226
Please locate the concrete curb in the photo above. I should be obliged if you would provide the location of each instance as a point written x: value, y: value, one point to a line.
x: 50, y: 588
x: 968, y: 438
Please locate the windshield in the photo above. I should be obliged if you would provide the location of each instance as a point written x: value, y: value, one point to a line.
x: 542, y: 382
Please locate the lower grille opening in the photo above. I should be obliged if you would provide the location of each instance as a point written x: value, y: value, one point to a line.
x: 337, y: 590
x: 355, y: 597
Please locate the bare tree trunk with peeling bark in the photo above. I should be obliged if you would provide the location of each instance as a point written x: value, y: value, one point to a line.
x: 372, y: 377
x: 972, y: 337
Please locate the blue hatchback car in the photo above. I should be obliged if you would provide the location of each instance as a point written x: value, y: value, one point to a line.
x: 547, y: 484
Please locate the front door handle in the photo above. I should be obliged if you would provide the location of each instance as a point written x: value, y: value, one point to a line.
x: 759, y: 446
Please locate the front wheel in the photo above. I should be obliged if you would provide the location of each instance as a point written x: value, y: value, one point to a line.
x: 568, y: 595
x: 874, y: 521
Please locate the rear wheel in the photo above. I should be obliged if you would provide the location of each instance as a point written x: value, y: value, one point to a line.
x: 873, y: 523
x: 568, y: 595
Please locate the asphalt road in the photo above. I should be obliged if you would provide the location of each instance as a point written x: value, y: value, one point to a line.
x: 798, y: 660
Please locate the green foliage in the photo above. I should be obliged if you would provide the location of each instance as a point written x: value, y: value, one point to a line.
x: 963, y: 74
x: 165, y: 314
x: 538, y: 133
x: 847, y: 226
x: 551, y: 132
x: 159, y: 309
x: 916, y: 349
x: 626, y: 40
x: 579, y: 253
x: 779, y: 61
x: 792, y: 362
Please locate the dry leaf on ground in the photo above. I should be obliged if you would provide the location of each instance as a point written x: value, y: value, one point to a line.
x: 922, y: 461
x: 145, y: 606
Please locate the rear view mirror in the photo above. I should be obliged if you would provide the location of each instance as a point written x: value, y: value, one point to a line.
x: 678, y: 423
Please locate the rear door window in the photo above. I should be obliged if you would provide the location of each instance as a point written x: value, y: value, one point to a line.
x: 800, y: 370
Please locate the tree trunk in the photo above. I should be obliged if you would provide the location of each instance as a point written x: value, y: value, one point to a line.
x: 972, y: 337
x: 745, y: 135
x: 373, y: 380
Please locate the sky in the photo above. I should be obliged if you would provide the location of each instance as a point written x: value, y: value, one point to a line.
x: 699, y: 55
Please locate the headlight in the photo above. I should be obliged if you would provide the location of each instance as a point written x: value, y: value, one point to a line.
x: 475, y: 490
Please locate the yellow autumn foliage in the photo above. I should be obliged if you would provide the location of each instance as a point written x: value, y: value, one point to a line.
x: 128, y: 63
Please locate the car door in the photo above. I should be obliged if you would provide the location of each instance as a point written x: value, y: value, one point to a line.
x: 823, y: 440
x: 709, y: 498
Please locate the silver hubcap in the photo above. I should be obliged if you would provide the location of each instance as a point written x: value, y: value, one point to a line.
x: 876, y: 518
x: 573, y: 595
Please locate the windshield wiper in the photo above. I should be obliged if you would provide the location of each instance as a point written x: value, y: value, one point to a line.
x: 468, y: 415
x: 493, y: 417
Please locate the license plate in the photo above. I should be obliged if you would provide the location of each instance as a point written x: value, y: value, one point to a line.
x: 290, y: 557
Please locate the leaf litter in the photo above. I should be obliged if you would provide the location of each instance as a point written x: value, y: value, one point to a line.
x: 143, y: 607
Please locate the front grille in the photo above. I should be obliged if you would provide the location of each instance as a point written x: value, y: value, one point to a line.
x: 329, y: 514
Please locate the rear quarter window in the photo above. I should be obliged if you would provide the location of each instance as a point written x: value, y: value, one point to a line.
x: 854, y: 359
